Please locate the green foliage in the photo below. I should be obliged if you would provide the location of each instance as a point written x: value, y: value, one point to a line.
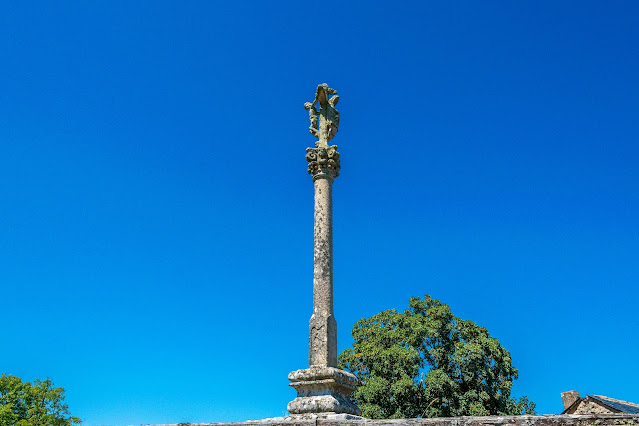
x: 37, y: 404
x: 425, y: 362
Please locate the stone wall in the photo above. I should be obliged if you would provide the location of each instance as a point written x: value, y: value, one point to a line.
x: 591, y: 407
x: 547, y: 420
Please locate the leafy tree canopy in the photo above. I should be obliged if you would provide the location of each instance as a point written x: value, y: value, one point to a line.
x: 425, y: 362
x: 37, y: 404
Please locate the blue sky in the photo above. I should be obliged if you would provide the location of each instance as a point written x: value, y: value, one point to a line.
x: 156, y: 244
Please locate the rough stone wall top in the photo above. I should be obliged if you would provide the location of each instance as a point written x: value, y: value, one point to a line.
x: 590, y: 407
x: 546, y: 420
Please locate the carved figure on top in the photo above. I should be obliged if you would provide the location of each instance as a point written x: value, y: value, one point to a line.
x: 312, y: 115
x: 333, y: 117
x: 328, y: 115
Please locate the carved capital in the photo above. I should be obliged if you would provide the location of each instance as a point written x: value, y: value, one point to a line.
x: 323, y: 162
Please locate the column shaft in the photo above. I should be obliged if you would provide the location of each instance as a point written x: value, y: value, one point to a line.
x: 322, y: 327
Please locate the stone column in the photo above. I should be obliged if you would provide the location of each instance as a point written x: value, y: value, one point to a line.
x: 322, y: 348
x: 323, y: 389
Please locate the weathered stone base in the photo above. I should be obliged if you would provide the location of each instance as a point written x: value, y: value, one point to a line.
x: 322, y: 391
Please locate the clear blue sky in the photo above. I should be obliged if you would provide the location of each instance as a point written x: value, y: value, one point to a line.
x: 156, y: 221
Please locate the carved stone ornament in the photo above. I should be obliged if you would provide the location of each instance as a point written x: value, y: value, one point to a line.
x: 326, y: 127
x: 323, y: 162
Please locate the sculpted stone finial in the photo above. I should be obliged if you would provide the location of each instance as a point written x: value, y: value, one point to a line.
x: 328, y: 115
x: 323, y: 160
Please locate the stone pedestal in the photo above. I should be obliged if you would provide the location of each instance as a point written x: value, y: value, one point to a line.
x: 324, y: 390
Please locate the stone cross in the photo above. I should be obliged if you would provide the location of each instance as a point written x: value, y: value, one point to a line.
x: 323, y: 389
x: 328, y: 115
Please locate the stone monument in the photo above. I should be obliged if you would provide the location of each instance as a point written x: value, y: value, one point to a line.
x: 322, y: 388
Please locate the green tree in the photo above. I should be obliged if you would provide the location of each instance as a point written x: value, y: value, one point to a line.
x: 425, y: 362
x: 37, y: 404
